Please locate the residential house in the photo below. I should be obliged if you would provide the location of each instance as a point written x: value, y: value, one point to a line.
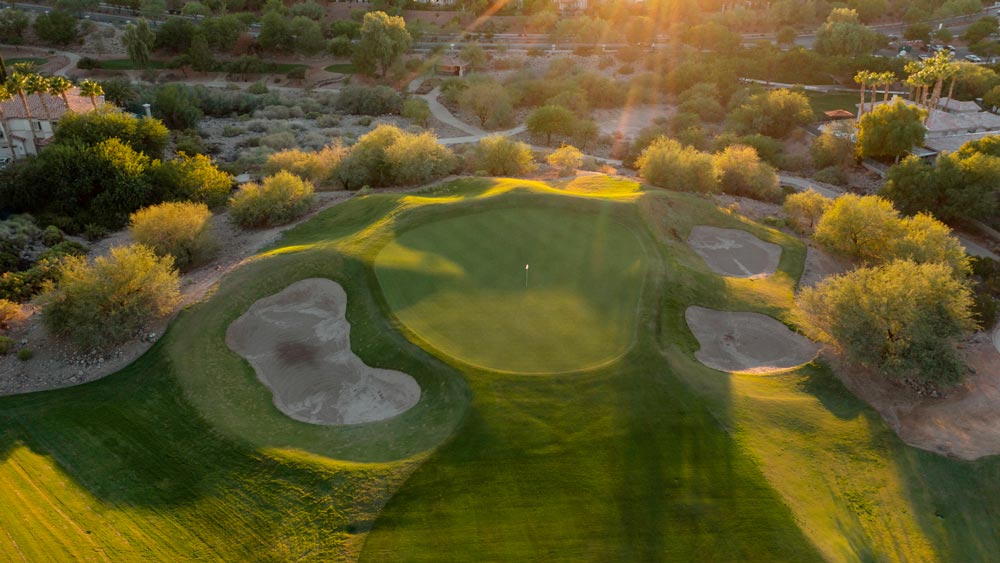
x: 29, y: 136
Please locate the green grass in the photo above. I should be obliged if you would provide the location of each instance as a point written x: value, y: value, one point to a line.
x: 37, y: 61
x: 284, y: 68
x: 654, y: 457
x: 342, y: 68
x: 828, y: 102
x: 129, y: 64
x: 461, y: 286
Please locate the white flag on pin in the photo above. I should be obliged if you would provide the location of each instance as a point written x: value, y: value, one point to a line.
x: 525, y: 266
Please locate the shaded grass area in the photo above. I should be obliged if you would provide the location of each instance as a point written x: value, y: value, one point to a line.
x: 37, y: 61
x: 129, y: 64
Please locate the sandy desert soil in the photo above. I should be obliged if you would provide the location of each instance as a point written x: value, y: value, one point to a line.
x: 963, y: 423
x: 735, y: 253
x: 747, y: 342
x: 298, y: 342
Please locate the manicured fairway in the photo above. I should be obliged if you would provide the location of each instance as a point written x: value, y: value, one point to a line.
x: 649, y: 457
x: 462, y: 286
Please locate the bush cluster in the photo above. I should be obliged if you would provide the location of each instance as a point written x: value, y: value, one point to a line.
x: 388, y: 156
x: 278, y: 199
x: 180, y: 230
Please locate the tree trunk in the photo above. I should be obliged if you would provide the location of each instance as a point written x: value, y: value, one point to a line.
x: 874, y: 94
x: 861, y: 107
x: 886, y: 98
x: 93, y: 101
x: 65, y: 100
x: 951, y: 91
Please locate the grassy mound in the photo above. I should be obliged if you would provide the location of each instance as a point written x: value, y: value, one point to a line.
x: 652, y: 457
x: 462, y: 286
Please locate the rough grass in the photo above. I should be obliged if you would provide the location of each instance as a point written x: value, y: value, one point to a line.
x: 342, y: 68
x: 821, y: 102
x: 653, y: 458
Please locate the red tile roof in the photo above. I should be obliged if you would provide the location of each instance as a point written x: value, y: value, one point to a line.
x: 13, y: 108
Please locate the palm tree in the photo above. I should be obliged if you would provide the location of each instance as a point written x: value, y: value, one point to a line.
x: 91, y: 89
x: 59, y: 86
x: 18, y: 82
x: 862, y: 78
x: 5, y: 95
x: 887, y: 79
x: 39, y: 85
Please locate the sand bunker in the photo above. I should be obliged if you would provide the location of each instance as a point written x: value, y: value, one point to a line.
x: 298, y: 342
x: 735, y: 253
x: 747, y: 342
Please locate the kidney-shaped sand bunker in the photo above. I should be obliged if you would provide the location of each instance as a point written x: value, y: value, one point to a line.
x: 746, y: 342
x: 734, y: 253
x: 298, y: 342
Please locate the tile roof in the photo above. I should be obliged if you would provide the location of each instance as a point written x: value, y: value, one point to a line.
x: 13, y: 108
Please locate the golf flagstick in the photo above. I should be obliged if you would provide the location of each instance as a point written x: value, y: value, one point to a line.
x: 525, y: 276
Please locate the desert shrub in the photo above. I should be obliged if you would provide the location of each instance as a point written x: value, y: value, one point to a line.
x: 10, y: 313
x: 741, y: 172
x: 565, y: 159
x: 830, y: 150
x: 145, y: 135
x: 194, y: 178
x: 278, y: 141
x: 190, y: 141
x: 318, y: 167
x: 25, y: 354
x: 387, y: 156
x: 257, y: 88
x: 279, y: 199
x: 669, y: 164
x: 369, y: 100
x: 500, y: 156
x: 806, y: 208
x: 831, y: 175
x: 108, y: 300
x: 417, y: 110
x: 6, y: 343
x: 177, y: 229
x: 232, y: 131
x: 52, y: 235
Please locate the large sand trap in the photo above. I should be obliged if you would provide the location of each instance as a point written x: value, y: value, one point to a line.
x: 747, y: 342
x: 735, y: 253
x: 298, y: 342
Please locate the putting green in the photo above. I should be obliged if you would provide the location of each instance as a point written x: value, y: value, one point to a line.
x: 460, y: 285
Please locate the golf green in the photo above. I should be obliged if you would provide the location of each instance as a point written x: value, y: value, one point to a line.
x: 522, y: 290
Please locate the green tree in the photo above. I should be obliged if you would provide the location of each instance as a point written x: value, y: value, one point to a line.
x: 860, y: 227
x: 550, y: 120
x: 107, y: 301
x: 175, y: 35
x: 473, y: 55
x: 919, y: 31
x: 958, y: 187
x: 902, y: 318
x: 806, y: 208
x: 138, y: 39
x: 275, y: 32
x: 387, y: 156
x: 145, y: 135
x: 666, y: 163
x: 890, y: 131
x: 307, y: 35
x: 92, y: 90
x: 485, y: 100
x: 383, y: 40
x: 200, y: 54
x: 772, y: 112
x: 224, y: 31
x: 180, y: 230
x: 741, y: 172
x: 177, y: 106
x: 831, y: 150
x: 844, y: 34
x: 980, y: 30
x: 786, y: 36
x: 13, y: 23
x: 500, y: 156
x: 56, y: 27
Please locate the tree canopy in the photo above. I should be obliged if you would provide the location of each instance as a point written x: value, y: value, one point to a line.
x: 383, y: 40
x: 891, y: 130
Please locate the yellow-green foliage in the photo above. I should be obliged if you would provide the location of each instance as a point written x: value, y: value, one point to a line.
x: 805, y: 208
x: 565, y: 159
x: 498, y: 155
x: 668, y: 164
x: 870, y: 228
x: 108, y: 300
x: 177, y: 229
x: 901, y: 318
x: 10, y: 313
x: 741, y: 172
x: 279, y: 199
x: 318, y: 167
